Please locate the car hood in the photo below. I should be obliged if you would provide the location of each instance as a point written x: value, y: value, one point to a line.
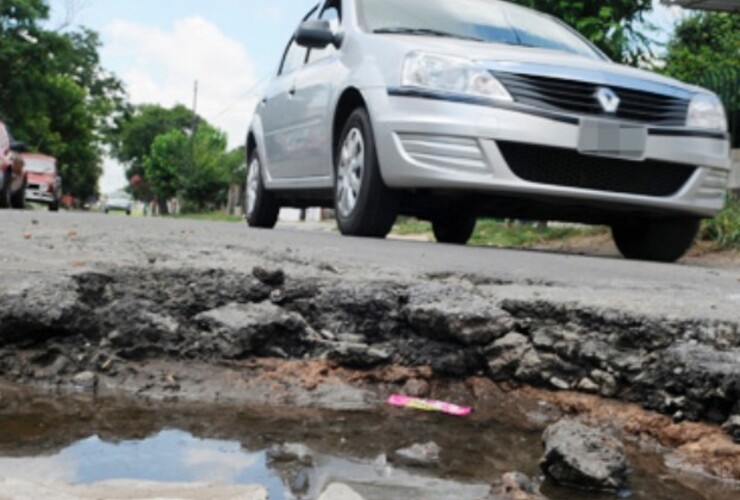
x: 523, y: 59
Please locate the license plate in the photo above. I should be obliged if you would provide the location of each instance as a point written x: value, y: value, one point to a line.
x: 606, y: 138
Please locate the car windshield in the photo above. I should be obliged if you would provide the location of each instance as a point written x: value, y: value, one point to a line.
x: 482, y: 20
x: 39, y: 165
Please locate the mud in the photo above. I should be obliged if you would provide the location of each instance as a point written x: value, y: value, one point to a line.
x: 217, y: 335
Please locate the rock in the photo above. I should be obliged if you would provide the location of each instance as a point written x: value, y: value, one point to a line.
x: 559, y: 383
x: 607, y: 383
x: 732, y: 427
x: 515, y: 486
x: 506, y: 354
x: 244, y: 328
x: 419, y: 455
x: 85, y: 381
x: 339, y: 491
x: 300, y: 482
x: 456, y: 314
x: 417, y: 388
x: 584, y: 457
x: 588, y: 385
x: 291, y: 452
x: 273, y: 277
x: 357, y: 355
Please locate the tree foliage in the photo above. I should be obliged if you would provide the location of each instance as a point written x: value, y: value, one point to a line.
x: 166, y: 163
x: 704, y: 43
x: 617, y: 27
x: 54, y: 93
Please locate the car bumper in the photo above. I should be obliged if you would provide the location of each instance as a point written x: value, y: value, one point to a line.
x: 37, y: 196
x: 431, y: 142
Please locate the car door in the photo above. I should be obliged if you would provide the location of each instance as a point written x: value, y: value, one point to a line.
x: 282, y: 145
x: 310, y: 103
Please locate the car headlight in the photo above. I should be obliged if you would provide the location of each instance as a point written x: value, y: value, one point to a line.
x: 451, y: 74
x: 707, y: 111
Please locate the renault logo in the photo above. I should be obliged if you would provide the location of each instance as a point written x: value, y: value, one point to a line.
x: 608, y: 99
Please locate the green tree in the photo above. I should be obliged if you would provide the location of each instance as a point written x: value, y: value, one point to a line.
x: 617, y: 27
x: 165, y: 165
x: 704, y: 43
x: 206, y: 179
x: 54, y: 93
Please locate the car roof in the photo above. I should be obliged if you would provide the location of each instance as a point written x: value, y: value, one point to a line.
x: 38, y: 156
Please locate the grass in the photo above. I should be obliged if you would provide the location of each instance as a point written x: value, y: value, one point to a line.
x: 211, y: 216
x: 724, y: 230
x: 495, y: 233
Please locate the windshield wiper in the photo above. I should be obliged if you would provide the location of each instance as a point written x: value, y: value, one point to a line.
x: 425, y: 32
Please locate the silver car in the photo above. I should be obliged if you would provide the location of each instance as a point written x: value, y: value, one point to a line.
x: 449, y: 110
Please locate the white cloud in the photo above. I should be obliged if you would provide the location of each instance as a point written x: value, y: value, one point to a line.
x: 159, y: 65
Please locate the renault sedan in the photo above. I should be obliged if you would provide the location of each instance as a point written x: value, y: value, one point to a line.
x: 449, y: 110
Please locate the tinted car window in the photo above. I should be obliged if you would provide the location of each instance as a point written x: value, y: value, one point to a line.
x: 495, y: 22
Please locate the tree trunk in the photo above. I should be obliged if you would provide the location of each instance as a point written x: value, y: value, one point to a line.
x: 163, y: 208
x: 233, y: 199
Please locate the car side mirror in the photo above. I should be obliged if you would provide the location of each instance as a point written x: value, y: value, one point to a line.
x: 18, y: 147
x: 317, y: 34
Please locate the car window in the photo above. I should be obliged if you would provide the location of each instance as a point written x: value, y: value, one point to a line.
x: 294, y: 58
x: 331, y: 13
x: 481, y: 20
x: 295, y: 55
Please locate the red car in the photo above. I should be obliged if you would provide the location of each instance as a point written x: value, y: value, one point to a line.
x: 12, y: 177
x: 44, y: 184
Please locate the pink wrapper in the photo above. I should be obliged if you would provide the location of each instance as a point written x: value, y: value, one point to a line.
x: 429, y: 405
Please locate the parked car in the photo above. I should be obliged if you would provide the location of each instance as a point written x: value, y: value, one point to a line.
x: 449, y: 110
x: 44, y: 184
x: 118, y: 202
x: 12, y: 175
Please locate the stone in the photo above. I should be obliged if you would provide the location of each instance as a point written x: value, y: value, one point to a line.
x: 584, y: 457
x: 606, y: 381
x: 357, y: 355
x: 506, y: 354
x: 270, y: 277
x: 417, y: 388
x: 291, y: 452
x: 243, y: 328
x: 515, y: 486
x: 588, y: 385
x: 419, y: 455
x: 85, y: 380
x: 339, y: 491
x: 451, y: 313
x: 732, y: 427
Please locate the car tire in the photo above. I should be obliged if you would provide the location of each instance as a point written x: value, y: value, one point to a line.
x: 657, y: 240
x: 261, y: 207
x: 454, y: 227
x: 18, y: 198
x: 128, y: 213
x: 5, y: 194
x: 364, y: 205
x: 54, y: 206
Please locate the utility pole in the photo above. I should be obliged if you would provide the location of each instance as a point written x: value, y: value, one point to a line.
x: 195, y: 107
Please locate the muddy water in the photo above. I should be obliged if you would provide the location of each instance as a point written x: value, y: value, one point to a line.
x: 78, y: 439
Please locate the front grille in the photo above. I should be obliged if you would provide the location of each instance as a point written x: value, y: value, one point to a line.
x: 565, y: 167
x: 34, y: 187
x: 580, y: 97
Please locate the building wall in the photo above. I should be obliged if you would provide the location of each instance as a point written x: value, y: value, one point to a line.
x: 735, y: 179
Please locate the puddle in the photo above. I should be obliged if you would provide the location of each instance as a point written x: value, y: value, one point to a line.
x: 78, y: 440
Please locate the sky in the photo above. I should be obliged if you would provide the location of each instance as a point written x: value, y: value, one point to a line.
x: 159, y: 48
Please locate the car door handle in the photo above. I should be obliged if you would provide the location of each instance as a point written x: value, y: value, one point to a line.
x: 265, y: 99
x: 292, y: 91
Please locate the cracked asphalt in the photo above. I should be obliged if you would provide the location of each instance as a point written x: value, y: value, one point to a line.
x: 41, y: 246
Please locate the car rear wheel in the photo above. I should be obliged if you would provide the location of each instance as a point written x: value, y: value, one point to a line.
x: 455, y: 227
x: 365, y: 206
x: 260, y: 206
x: 54, y: 206
x: 18, y: 198
x: 658, y: 240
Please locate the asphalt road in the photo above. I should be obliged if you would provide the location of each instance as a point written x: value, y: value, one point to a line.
x: 44, y: 246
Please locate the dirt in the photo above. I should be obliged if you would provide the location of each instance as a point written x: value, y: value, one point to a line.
x: 703, y: 253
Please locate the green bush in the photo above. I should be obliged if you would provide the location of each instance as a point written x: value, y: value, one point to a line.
x: 724, y: 230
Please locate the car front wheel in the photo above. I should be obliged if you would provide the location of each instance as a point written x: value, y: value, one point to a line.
x: 658, y: 240
x: 18, y: 198
x: 5, y: 193
x: 365, y: 206
x: 261, y: 208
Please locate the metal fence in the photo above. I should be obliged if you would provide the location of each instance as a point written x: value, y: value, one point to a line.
x: 726, y: 84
